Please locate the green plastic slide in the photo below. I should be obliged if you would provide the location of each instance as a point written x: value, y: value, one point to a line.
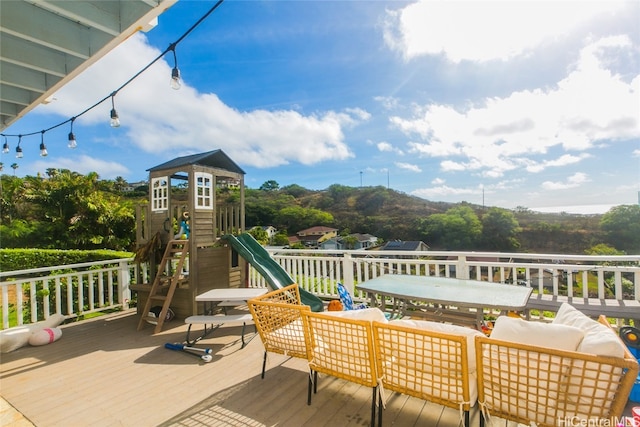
x: 274, y: 274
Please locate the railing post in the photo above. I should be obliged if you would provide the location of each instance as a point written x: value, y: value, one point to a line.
x: 347, y: 271
x: 124, y: 292
x: 462, y: 269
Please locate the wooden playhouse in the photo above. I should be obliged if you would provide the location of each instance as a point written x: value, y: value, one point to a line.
x: 179, y: 231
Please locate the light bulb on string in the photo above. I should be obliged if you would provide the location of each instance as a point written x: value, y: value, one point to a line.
x: 175, y: 82
x: 115, y: 120
x: 72, y: 138
x: 18, y: 148
x: 175, y: 79
x: 5, y: 146
x: 43, y: 148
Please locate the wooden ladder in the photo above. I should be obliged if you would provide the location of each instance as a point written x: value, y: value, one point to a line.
x: 164, y: 286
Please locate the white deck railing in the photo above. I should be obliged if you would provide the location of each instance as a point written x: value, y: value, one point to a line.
x: 616, y: 277
x: 78, y: 289
x: 28, y: 296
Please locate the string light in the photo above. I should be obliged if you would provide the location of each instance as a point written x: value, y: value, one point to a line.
x: 43, y: 148
x: 18, y: 148
x: 72, y: 138
x: 115, y: 121
x: 176, y: 83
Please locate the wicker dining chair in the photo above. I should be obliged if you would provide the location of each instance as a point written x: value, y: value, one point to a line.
x: 277, y: 316
x: 429, y: 364
x: 343, y: 348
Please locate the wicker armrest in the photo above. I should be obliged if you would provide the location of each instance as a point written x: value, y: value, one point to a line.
x: 278, y: 319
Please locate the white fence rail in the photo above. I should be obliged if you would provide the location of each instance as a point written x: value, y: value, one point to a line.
x: 78, y: 289
x: 596, y: 284
x: 615, y: 277
x: 71, y: 290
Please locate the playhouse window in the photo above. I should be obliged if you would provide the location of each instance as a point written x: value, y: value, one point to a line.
x: 159, y: 194
x: 204, y: 190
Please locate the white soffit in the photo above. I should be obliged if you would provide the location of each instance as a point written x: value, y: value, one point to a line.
x: 46, y: 43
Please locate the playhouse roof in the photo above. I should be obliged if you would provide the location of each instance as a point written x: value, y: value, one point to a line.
x: 215, y: 159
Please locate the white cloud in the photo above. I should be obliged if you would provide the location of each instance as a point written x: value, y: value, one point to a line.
x: 408, y: 166
x: 443, y: 191
x: 388, y: 102
x: 575, y: 180
x: 591, y: 104
x: 483, y: 31
x: 158, y: 119
x: 563, y: 160
x: 438, y: 181
x: 384, y: 146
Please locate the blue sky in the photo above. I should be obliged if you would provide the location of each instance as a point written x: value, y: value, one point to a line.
x: 517, y: 103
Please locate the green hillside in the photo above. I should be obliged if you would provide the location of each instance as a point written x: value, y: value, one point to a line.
x: 389, y: 214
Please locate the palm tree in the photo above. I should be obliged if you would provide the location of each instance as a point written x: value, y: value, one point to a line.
x: 120, y: 184
x: 14, y: 166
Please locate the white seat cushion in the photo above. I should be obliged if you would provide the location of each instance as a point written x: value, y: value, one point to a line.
x: 595, y: 387
x: 598, y: 338
x: 288, y: 338
x: 550, y: 335
x: 469, y: 333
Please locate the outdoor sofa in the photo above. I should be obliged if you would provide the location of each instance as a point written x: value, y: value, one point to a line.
x: 530, y: 372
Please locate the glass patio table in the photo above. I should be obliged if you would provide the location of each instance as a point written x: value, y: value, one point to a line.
x: 444, y: 299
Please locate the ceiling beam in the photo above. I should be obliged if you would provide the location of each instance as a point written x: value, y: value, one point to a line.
x: 36, y: 57
x: 39, y: 26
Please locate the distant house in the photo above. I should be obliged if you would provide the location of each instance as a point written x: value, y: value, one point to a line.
x: 131, y: 186
x: 410, y: 245
x: 313, y: 236
x: 364, y: 241
x: 334, y: 243
x: 270, y: 230
x: 356, y: 241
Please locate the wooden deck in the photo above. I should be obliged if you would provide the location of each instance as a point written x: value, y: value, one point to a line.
x: 103, y: 372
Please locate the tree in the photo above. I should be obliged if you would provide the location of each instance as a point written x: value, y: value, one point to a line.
x: 295, y: 190
x: 120, y: 184
x: 296, y: 218
x: 350, y: 242
x: 70, y: 211
x: 270, y: 185
x: 14, y: 166
x: 499, y: 230
x: 457, y: 228
x: 281, y: 239
x: 603, y: 249
x: 260, y: 235
x: 622, y: 227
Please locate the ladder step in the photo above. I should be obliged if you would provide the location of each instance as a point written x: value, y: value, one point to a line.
x: 175, y: 255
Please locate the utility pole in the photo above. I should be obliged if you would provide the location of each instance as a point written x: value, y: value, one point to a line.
x: 360, y: 179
